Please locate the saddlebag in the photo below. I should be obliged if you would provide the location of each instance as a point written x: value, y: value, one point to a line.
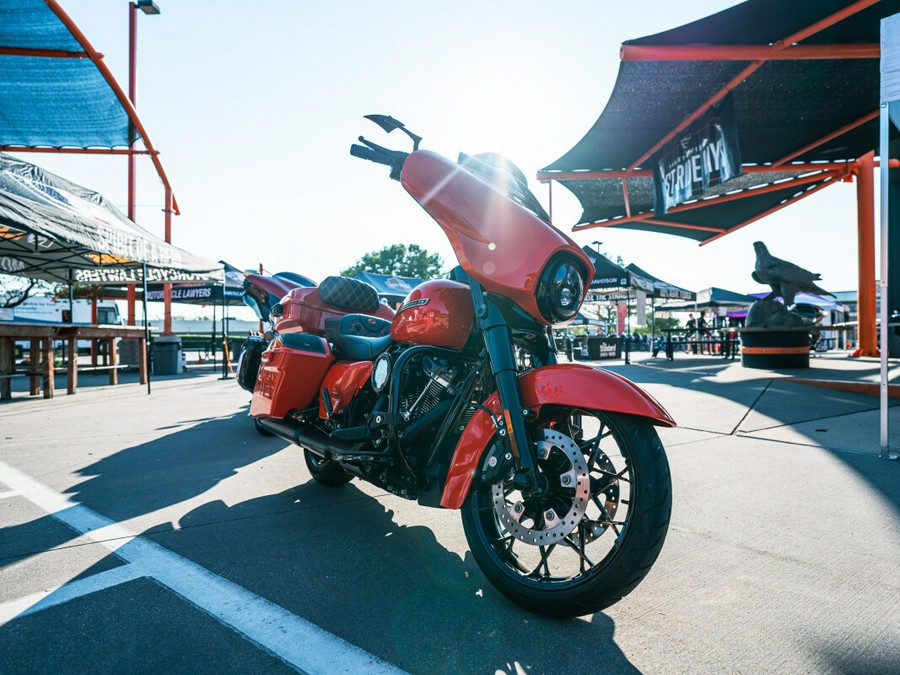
x: 248, y: 363
x: 291, y: 373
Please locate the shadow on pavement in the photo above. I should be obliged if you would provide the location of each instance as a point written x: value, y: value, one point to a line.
x: 336, y: 557
x: 754, y: 406
x: 339, y: 558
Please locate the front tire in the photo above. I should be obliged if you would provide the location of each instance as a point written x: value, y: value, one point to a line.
x: 596, y: 530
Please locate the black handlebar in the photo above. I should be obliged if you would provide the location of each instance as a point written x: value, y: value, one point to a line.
x: 380, y: 155
x: 363, y: 152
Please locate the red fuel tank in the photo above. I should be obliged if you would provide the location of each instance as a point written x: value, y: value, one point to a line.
x: 437, y: 313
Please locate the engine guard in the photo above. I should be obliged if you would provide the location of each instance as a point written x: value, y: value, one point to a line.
x: 571, y: 385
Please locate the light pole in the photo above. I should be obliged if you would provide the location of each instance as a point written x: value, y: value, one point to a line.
x: 147, y: 7
x: 597, y: 244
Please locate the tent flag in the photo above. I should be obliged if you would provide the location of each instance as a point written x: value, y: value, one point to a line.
x: 50, y: 226
x: 205, y: 294
x: 707, y: 153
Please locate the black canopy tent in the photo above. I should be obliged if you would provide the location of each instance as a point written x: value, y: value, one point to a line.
x: 612, y: 281
x: 803, y: 81
x: 662, y: 289
x: 56, y: 230
x: 59, y: 95
x: 710, y: 298
x: 804, y: 86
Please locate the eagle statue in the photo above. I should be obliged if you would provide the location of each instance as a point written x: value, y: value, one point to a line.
x: 785, y: 279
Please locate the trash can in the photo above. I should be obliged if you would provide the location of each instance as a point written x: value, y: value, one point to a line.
x: 166, y: 352
x: 129, y: 352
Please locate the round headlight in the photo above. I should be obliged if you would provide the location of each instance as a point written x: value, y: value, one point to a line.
x: 381, y: 372
x: 560, y: 290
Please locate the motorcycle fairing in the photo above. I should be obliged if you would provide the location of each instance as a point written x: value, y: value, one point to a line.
x: 342, y: 382
x: 498, y: 242
x: 569, y: 384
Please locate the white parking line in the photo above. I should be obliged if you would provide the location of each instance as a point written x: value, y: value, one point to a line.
x: 35, y: 602
x: 8, y: 494
x: 294, y: 640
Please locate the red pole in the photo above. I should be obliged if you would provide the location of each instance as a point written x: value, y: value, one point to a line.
x: 132, y: 95
x: 167, y: 289
x: 865, y: 205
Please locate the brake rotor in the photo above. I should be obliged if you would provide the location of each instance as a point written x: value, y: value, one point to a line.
x: 571, y: 483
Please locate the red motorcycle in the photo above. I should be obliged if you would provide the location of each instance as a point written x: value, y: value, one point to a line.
x: 562, y: 481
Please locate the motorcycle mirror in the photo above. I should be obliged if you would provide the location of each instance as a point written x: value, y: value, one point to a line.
x: 388, y: 123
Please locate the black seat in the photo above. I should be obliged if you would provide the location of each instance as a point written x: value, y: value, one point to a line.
x: 358, y: 337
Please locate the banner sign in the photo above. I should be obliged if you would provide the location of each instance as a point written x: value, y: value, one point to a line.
x: 703, y: 155
x: 205, y: 294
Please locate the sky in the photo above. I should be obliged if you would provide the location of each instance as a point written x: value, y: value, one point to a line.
x: 253, y: 107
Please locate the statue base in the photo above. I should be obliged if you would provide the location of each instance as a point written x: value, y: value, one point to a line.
x: 775, y: 348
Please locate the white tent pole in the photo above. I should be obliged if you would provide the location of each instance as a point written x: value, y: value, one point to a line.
x: 883, y: 281
x: 146, y: 323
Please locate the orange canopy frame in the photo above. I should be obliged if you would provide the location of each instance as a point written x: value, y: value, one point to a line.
x: 804, y: 78
x: 35, y: 36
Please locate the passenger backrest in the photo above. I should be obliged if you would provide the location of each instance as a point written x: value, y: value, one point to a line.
x: 350, y: 294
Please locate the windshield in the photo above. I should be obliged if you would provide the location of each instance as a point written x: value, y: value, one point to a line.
x: 506, y: 177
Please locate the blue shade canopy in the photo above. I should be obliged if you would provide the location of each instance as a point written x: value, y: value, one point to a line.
x: 52, y: 94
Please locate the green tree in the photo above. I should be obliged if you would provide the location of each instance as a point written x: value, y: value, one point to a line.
x: 399, y: 260
x: 15, y: 290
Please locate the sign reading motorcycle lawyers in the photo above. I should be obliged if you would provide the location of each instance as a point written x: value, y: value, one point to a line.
x: 705, y: 154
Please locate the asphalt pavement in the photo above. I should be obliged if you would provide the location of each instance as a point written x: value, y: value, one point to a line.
x: 161, y: 533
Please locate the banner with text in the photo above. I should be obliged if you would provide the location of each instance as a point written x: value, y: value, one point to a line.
x: 703, y: 155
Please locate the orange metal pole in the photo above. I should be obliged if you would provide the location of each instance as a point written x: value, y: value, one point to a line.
x: 747, y: 52
x: 787, y: 42
x: 646, y: 173
x: 132, y: 96
x: 768, y: 212
x: 834, y: 134
x: 865, y: 305
x: 76, y: 151
x: 46, y: 53
x: 699, y: 112
x: 626, y: 197
x: 97, y: 58
x: 167, y: 289
x: 722, y: 199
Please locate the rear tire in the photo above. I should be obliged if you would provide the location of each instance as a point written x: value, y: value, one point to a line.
x: 326, y: 471
x: 260, y: 429
x: 593, y: 535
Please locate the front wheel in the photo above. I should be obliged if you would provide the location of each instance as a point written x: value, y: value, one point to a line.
x: 595, y: 529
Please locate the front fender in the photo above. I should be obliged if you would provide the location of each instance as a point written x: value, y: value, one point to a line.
x: 569, y: 384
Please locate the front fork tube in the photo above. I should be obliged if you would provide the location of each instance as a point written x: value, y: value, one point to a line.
x: 499, y: 345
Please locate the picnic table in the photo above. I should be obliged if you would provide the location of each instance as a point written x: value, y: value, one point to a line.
x: 41, y: 337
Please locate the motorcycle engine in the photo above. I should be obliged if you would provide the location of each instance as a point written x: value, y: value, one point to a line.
x: 429, y: 379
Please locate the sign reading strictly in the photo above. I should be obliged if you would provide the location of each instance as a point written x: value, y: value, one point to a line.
x: 703, y: 155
